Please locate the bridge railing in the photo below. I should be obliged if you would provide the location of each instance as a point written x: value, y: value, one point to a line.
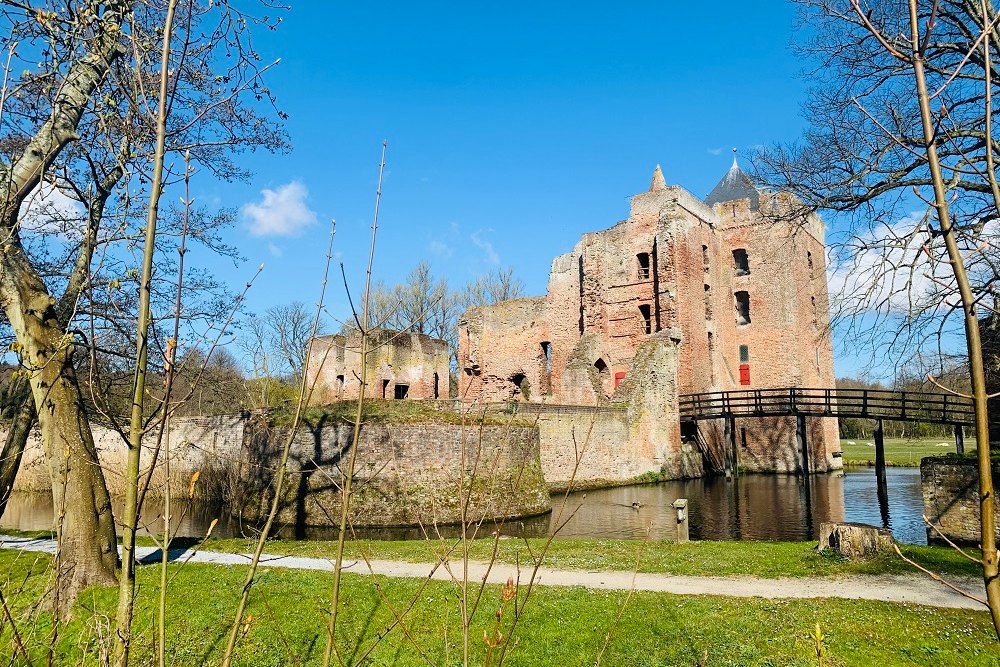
x: 823, y: 402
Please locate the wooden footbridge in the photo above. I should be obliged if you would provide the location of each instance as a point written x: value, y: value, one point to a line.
x: 877, y: 404
x: 800, y: 402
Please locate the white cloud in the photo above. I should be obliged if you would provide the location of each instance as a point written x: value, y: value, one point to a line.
x: 48, y: 210
x: 491, y: 254
x: 715, y: 151
x: 275, y: 249
x: 280, y: 212
x: 888, y: 270
x: 440, y: 248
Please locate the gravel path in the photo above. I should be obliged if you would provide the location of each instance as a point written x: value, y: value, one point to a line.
x: 887, y: 588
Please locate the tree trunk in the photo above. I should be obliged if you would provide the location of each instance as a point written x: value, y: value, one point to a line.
x: 84, y: 524
x: 17, y: 438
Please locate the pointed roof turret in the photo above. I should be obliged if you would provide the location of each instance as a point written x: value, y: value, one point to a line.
x: 657, y: 183
x: 734, y: 185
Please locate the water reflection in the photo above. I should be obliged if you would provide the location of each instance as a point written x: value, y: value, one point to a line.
x: 752, y: 507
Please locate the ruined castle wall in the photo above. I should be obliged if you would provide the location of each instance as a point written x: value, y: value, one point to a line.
x: 700, y: 292
x: 415, y: 363
x: 950, y: 489
x: 204, y: 444
x: 500, y: 344
x: 406, y: 473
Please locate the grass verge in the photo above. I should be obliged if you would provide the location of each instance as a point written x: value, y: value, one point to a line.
x: 560, y: 626
x: 899, y: 452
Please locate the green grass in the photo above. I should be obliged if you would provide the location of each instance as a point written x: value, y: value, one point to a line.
x: 898, y: 451
x: 761, y: 559
x: 559, y: 626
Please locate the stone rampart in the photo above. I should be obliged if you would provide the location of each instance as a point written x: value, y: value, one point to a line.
x: 950, y: 488
x: 406, y: 473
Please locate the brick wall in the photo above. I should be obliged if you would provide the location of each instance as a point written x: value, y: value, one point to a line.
x: 195, y: 443
x: 950, y: 488
x: 406, y: 474
x: 396, y: 359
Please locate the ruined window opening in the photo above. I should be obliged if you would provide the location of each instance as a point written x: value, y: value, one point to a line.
x: 520, y: 382
x: 815, y: 312
x: 743, y: 436
x: 646, y: 318
x: 340, y: 384
x: 744, y: 354
x: 708, y: 302
x: 704, y: 257
x: 546, y: 387
x: 742, y: 308
x: 400, y: 391
x: 385, y: 387
x: 809, y: 261
x: 603, y: 372
x: 643, y: 258
x: 689, y: 431
x: 436, y: 386
x: 711, y: 357
x: 580, y: 271
x: 741, y: 262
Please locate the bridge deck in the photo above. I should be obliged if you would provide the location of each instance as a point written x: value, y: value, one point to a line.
x: 863, y: 403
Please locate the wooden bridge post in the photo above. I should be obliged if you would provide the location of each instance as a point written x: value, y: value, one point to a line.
x: 883, y: 488
x: 803, y: 438
x: 734, y: 452
x: 959, y: 439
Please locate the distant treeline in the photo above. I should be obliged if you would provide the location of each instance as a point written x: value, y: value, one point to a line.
x: 863, y: 429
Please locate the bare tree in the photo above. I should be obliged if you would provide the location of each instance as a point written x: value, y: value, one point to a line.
x: 495, y: 286
x: 78, y: 122
x: 900, y: 136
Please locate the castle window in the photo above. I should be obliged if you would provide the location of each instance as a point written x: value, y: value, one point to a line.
x: 646, y: 318
x: 643, y: 258
x: 546, y: 387
x: 744, y: 354
x: 741, y: 262
x: 437, y: 389
x: 521, y: 387
x: 742, y: 308
x: 340, y: 384
x: 385, y: 387
x: 704, y: 257
x: 809, y: 261
x: 711, y: 357
x: 708, y: 302
x: 601, y: 366
x: 400, y: 391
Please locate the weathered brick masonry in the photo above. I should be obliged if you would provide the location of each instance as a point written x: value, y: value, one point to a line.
x: 401, y: 365
x: 683, y: 296
x: 951, y: 496
x: 407, y: 473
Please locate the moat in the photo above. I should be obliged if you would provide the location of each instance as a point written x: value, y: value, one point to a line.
x: 753, y: 507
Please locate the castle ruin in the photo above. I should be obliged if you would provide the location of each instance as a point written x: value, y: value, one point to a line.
x: 684, y: 296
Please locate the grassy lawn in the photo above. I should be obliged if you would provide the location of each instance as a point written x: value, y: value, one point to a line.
x: 900, y: 452
x: 559, y: 626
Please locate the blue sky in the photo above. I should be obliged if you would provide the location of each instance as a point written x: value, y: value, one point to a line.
x: 512, y: 128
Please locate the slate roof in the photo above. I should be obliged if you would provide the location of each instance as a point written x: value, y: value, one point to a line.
x: 734, y: 185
